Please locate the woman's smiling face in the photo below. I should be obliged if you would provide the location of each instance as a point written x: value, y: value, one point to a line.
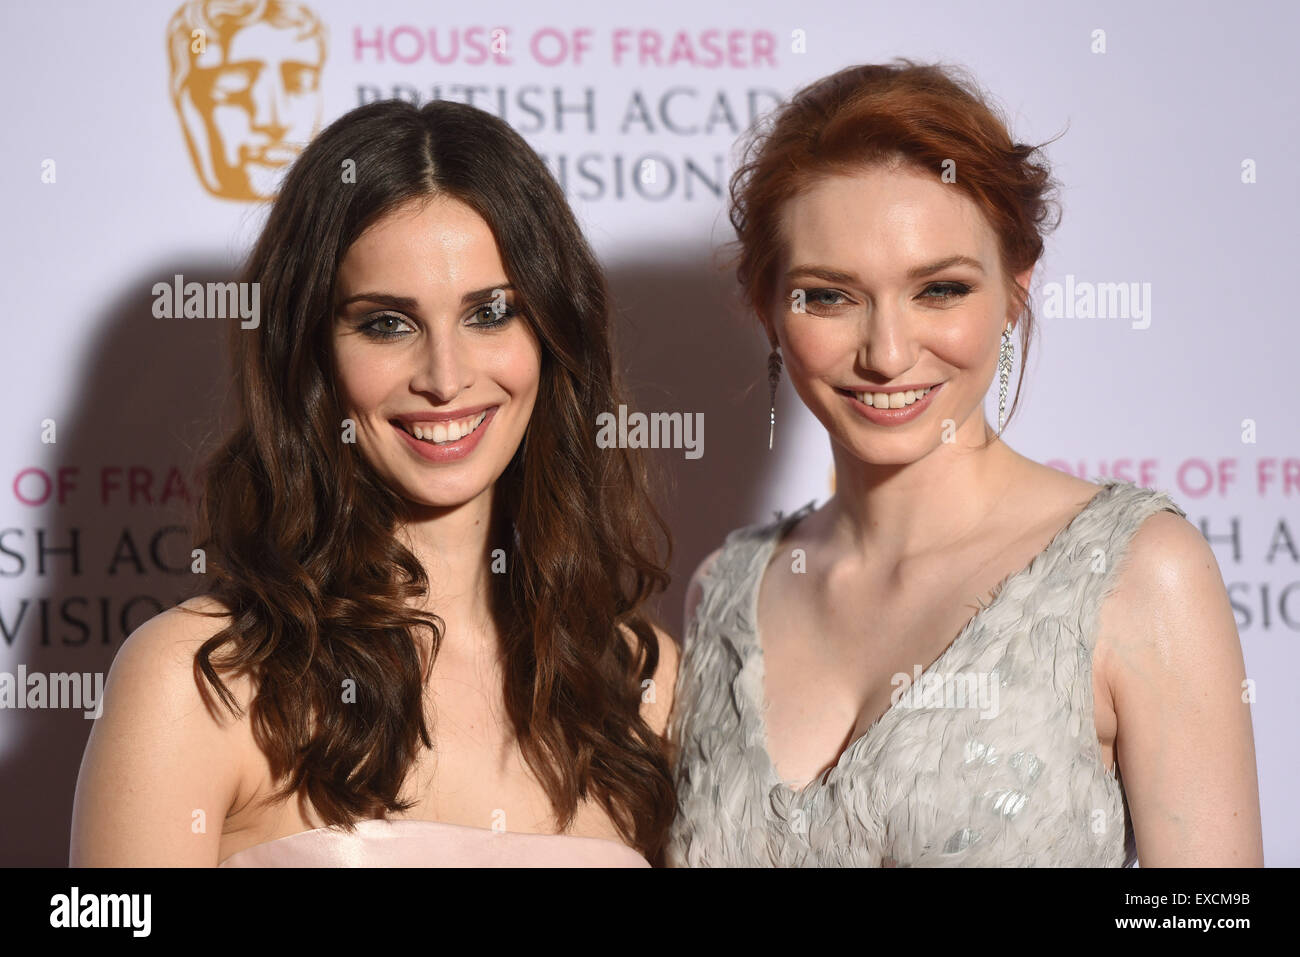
x: 436, y: 364
x: 890, y: 279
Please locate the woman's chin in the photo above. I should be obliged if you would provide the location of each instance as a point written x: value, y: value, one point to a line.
x: 439, y: 500
x: 886, y: 451
x: 437, y: 493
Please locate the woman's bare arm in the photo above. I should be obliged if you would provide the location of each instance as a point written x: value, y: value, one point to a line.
x: 159, y: 772
x: 1184, y: 742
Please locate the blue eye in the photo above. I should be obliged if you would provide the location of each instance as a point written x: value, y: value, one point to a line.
x: 825, y: 298
x: 371, y: 326
x: 947, y: 290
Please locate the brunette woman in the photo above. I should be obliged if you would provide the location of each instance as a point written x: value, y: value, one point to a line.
x: 423, y: 638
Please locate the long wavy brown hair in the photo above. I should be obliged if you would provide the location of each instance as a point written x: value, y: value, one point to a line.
x: 300, y: 532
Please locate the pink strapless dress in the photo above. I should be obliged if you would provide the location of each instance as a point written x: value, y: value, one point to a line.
x: 407, y: 843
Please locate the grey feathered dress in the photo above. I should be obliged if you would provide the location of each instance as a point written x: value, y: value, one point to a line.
x: 930, y: 783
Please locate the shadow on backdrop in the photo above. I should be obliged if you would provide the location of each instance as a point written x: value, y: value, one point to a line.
x: 145, y: 397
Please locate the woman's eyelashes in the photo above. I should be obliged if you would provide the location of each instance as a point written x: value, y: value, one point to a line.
x: 820, y: 297
x: 373, y: 326
x: 497, y: 314
x: 947, y: 290
x: 830, y: 299
x: 388, y: 325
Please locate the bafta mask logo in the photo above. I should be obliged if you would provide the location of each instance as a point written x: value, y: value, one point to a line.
x: 245, y: 81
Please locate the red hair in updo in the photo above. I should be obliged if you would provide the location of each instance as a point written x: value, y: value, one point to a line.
x: 863, y: 116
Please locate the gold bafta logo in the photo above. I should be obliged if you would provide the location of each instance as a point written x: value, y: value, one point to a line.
x: 245, y: 82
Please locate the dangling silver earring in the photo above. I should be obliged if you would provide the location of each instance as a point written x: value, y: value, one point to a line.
x: 1004, y: 376
x: 773, y: 377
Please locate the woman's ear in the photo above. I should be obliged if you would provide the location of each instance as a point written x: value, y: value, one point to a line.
x: 1022, y: 279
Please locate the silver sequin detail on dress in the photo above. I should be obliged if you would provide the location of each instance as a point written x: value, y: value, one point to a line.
x: 924, y: 786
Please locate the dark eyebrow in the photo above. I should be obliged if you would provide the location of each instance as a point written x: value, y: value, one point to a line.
x: 916, y: 272
x: 381, y: 299
x: 410, y: 305
x: 485, y: 293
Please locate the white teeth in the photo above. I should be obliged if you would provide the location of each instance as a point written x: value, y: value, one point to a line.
x: 439, y: 433
x: 891, y: 400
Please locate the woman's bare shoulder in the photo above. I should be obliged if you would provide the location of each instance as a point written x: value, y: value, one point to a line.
x: 163, y: 756
x: 163, y: 649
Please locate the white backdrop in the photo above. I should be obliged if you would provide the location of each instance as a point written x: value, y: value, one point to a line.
x: 1177, y: 166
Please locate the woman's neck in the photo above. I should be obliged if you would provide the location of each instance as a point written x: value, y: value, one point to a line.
x: 454, y: 546
x: 897, y: 512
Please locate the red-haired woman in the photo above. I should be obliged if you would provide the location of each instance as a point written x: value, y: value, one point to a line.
x: 888, y: 227
x: 423, y: 620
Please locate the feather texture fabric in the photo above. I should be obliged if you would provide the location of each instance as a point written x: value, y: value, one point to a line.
x: 931, y: 783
